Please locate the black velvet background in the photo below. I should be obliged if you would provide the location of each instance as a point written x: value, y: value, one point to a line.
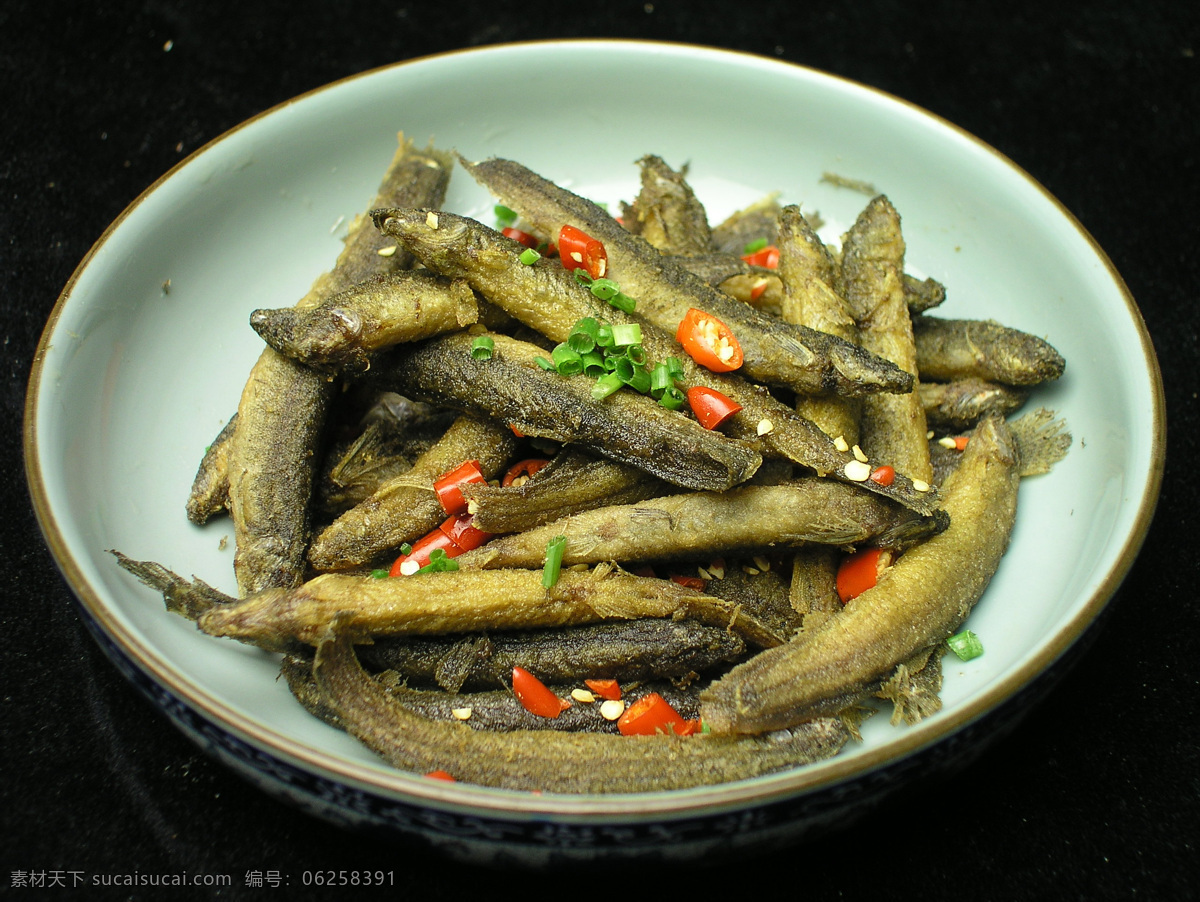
x: 1094, y: 796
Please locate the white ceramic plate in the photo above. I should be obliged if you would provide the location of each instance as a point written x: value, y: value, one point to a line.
x: 132, y: 381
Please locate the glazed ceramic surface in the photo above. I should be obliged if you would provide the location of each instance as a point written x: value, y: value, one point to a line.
x: 145, y: 355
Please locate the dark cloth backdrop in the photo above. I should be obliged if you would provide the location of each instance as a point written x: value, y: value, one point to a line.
x: 1094, y: 796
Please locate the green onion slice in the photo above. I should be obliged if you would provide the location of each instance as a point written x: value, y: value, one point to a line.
x: 623, y: 302
x: 627, y: 334
x: 482, y: 347
x: 672, y: 398
x: 605, y: 289
x: 553, y: 565
x: 755, y: 246
x: 640, y: 380
x: 529, y: 256
x: 567, y: 361
x: 439, y: 562
x: 504, y: 215
x: 593, y: 363
x: 966, y: 645
x: 660, y: 378
x: 607, y: 385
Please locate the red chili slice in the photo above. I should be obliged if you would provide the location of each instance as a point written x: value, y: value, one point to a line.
x: 523, y: 469
x: 441, y: 775
x: 767, y: 257
x: 606, y: 689
x: 448, y: 487
x: 649, y: 715
x: 463, y: 534
x: 454, y: 536
x: 708, y: 341
x: 710, y: 406
x: 523, y: 237
x: 689, y: 582
x: 535, y: 695
x: 860, y: 571
x: 577, y: 248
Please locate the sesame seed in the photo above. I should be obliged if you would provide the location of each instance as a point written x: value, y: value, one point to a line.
x: 612, y: 708
x: 920, y: 485
x: 762, y: 563
x: 431, y: 220
x: 461, y: 713
x: 857, y: 471
x: 859, y: 455
x: 386, y: 251
x: 841, y: 444
x: 946, y: 442
x: 583, y: 695
x: 765, y: 427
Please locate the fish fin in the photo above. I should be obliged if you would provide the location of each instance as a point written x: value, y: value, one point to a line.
x: 913, y: 688
x: 853, y: 717
x: 1042, y: 440
x: 188, y: 598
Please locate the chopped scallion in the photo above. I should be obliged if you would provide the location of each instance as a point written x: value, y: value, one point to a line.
x: 966, y: 645
x: 544, y: 364
x: 607, y: 385
x: 626, y: 334
x: 567, y: 361
x: 593, y: 364
x: 553, y: 566
x: 640, y: 380
x: 660, y: 378
x: 379, y: 574
x: 439, y: 562
x: 672, y: 398
x: 605, y: 289
x: 755, y: 246
x: 623, y: 302
x: 482, y: 347
x: 504, y: 215
x: 529, y: 256
x: 581, y: 342
x: 622, y: 367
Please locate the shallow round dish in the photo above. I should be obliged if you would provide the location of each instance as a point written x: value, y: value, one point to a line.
x: 145, y: 354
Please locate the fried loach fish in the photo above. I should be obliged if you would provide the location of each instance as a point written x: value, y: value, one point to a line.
x: 550, y: 762
x: 917, y: 603
x: 274, y: 451
x: 776, y: 353
x: 545, y: 297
